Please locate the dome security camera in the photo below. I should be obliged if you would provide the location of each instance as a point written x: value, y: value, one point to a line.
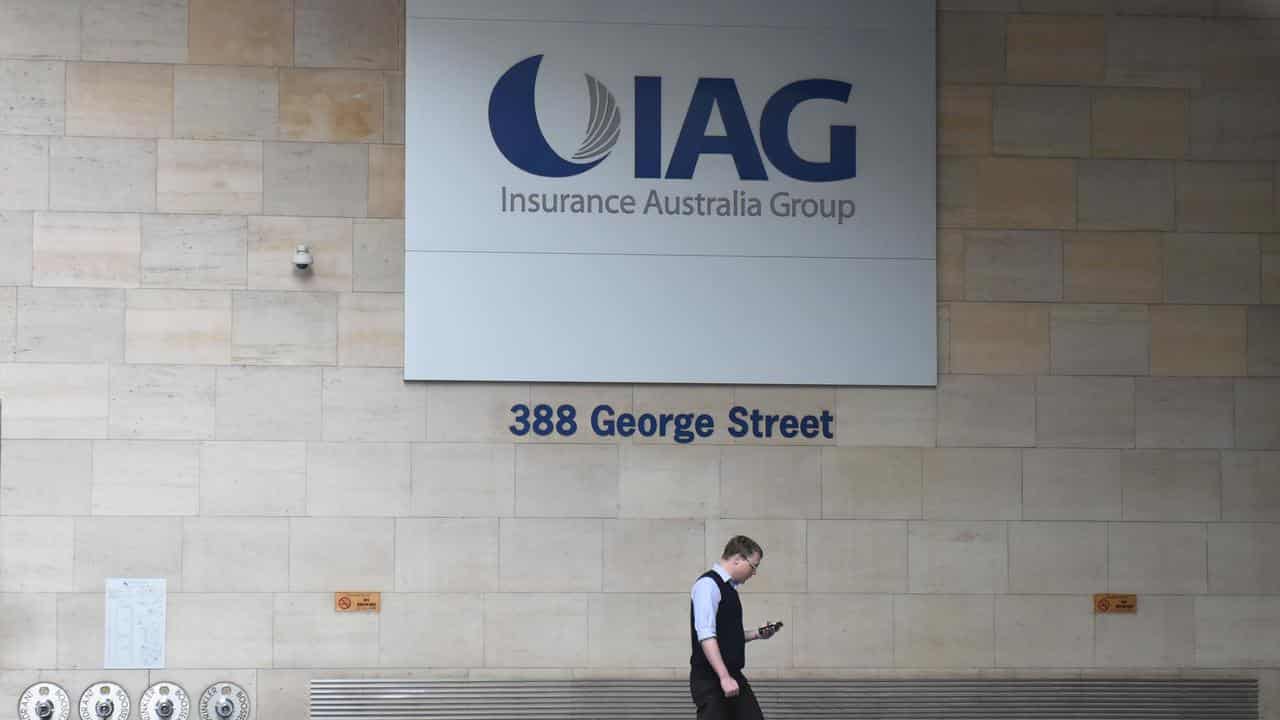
x: 302, y: 258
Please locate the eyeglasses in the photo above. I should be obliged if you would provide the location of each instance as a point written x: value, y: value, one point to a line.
x: 755, y: 566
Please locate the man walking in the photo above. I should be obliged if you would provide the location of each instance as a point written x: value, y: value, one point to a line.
x: 716, y: 682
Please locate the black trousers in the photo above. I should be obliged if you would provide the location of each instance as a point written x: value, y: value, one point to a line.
x: 713, y: 705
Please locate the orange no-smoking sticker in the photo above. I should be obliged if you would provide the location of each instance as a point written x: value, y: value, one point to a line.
x: 1114, y: 603
x: 357, y: 601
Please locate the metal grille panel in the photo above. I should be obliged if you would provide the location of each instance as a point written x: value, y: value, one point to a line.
x: 944, y: 699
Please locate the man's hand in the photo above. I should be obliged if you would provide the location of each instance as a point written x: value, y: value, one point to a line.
x: 729, y: 686
x: 768, y: 630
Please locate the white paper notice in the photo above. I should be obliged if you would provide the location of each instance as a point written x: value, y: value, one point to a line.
x: 135, y: 623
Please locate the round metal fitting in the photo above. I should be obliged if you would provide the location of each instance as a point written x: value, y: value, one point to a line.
x: 164, y: 701
x: 44, y: 701
x: 224, y: 701
x: 104, y: 701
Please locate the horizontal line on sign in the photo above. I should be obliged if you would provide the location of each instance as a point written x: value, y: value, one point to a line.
x: 566, y: 21
x: 658, y: 254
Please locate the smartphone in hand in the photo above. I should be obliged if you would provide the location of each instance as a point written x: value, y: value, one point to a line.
x: 768, y: 629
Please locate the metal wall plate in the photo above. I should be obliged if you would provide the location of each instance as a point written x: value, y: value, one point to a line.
x: 164, y: 701
x: 224, y: 701
x: 104, y: 701
x: 44, y: 701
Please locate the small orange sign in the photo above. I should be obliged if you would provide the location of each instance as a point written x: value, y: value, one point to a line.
x: 1114, y: 603
x: 357, y: 602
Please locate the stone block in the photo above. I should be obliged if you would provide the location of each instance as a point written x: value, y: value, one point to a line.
x: 331, y: 105
x: 1115, y: 267
x: 1056, y: 49
x: 1184, y: 412
x: 1042, y: 121
x: 143, y: 31
x: 1026, y: 193
x: 1100, y: 339
x: 1148, y: 123
x: 209, y: 177
x: 994, y: 338
x: 98, y: 250
x: 1198, y: 340
x: 316, y: 179
x: 198, y: 252
x: 285, y: 328
x: 225, y: 103
x: 1083, y: 412
x: 978, y: 411
x: 106, y: 175
x: 241, y: 32
x: 1126, y: 194
x: 119, y: 100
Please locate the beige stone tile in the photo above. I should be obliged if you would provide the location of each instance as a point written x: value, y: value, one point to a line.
x: 1211, y: 268
x: 70, y: 325
x: 243, y: 640
x: 463, y: 480
x: 331, y: 105
x: 134, y: 30
x: 29, y: 638
x: 1264, y: 341
x: 1227, y: 631
x: 857, y: 556
x: 16, y: 246
x: 452, y: 637
x: 209, y: 177
x: 884, y: 483
x: 1120, y: 267
x: 1172, y: 486
x: 631, y: 545
x: 617, y: 618
x: 162, y: 402
x: 273, y: 240
x: 1159, y: 558
x: 551, y: 555
x: 969, y: 48
x: 194, y: 251
x: 46, y: 477
x: 450, y: 555
x: 1139, y: 123
x: 666, y: 482
x: 1056, y: 49
x: 1013, y: 266
x: 1044, y: 631
x: 333, y: 33
x: 81, y: 641
x: 1057, y: 557
x: 1251, y: 486
x: 1074, y: 484
x: 785, y: 566
x: 371, y: 330
x: 1184, y: 412
x: 1026, y: 193
x: 107, y: 175
x: 1154, y: 52
x: 932, y: 631
x: 957, y: 192
x: 975, y: 411
x: 33, y: 95
x: 950, y: 264
x: 1042, y: 121
x: 237, y: 555
x: 1257, y: 421
x: 1226, y: 197
x: 1241, y: 54
x: 771, y: 482
x: 1198, y: 340
x: 316, y: 179
x: 379, y: 256
x: 87, y: 250
x: 190, y: 327
x: 567, y: 481
x: 944, y: 338
x: 24, y: 173
x: 241, y: 32
x: 36, y: 554
x: 373, y: 405
x: 964, y: 120
x: 535, y: 630
x: 8, y: 322
x: 386, y: 181
x: 895, y: 417
x: 51, y: 401
x: 146, y: 478
x: 999, y: 338
x: 1085, y: 412
x: 41, y: 28
x: 323, y: 557
x: 1126, y: 194
x: 842, y: 631
x: 307, y: 633
x: 225, y: 103
x: 285, y: 328
x: 358, y: 479
x: 1100, y: 339
x: 472, y: 412
x: 119, y: 100
x: 1242, y: 559
x: 958, y: 557
x: 1269, y: 692
x: 393, y: 107
x: 972, y: 484
x: 111, y: 547
x: 1161, y: 634
x: 253, y: 478
x: 269, y: 403
x: 1234, y: 125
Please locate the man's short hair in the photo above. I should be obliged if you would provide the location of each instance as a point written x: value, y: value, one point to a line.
x: 741, y: 545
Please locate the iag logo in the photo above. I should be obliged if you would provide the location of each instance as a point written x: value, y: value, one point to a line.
x: 513, y: 121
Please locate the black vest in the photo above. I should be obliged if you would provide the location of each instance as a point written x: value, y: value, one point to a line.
x: 729, y: 633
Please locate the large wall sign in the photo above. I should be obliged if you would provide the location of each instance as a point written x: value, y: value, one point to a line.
x: 725, y: 191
